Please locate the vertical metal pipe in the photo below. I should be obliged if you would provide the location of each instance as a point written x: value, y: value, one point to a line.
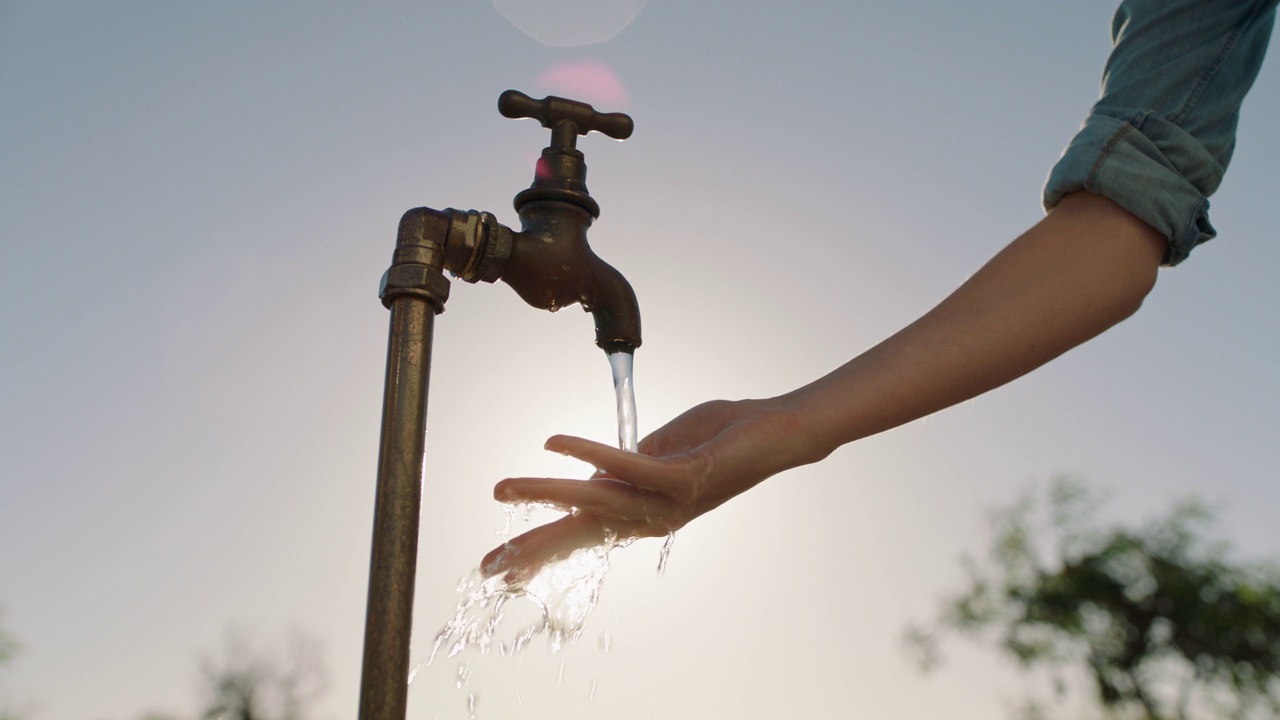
x: 389, y: 616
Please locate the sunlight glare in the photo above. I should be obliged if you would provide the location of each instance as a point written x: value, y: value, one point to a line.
x: 589, y: 81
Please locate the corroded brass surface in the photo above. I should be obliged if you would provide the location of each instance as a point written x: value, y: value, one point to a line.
x: 388, y: 621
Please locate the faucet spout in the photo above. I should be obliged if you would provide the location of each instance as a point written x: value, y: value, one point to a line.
x: 552, y: 266
x: 615, y: 310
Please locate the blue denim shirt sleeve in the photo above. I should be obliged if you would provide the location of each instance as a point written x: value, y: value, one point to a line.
x: 1159, y: 139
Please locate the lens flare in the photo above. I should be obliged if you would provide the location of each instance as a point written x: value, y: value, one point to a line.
x: 568, y: 23
x: 587, y: 81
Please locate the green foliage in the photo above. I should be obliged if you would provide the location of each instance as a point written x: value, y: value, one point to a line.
x: 249, y: 681
x: 9, y: 647
x: 8, y: 644
x: 1159, y: 617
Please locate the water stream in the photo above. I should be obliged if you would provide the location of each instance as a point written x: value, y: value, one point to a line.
x: 563, y: 593
x: 624, y: 388
x: 622, y: 364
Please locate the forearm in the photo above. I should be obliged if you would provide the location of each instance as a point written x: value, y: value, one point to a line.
x: 1085, y: 267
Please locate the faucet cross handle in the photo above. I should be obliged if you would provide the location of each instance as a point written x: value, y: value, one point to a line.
x: 566, y: 118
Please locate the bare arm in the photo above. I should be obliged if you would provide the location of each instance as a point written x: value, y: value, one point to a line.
x: 1085, y: 267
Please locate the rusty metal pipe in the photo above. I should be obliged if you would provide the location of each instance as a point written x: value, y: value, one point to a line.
x: 384, y: 681
x: 414, y: 289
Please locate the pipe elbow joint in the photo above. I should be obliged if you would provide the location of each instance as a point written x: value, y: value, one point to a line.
x: 422, y: 226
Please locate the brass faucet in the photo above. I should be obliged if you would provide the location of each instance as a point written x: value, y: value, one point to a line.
x: 550, y: 265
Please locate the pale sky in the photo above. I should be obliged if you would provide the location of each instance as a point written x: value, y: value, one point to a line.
x: 197, y: 202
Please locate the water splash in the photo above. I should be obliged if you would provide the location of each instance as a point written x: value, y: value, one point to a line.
x: 562, y: 594
x: 512, y: 511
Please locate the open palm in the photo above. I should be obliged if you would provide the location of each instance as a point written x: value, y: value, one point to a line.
x: 685, y: 468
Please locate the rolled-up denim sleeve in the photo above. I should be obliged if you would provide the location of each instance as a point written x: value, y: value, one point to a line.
x: 1160, y: 137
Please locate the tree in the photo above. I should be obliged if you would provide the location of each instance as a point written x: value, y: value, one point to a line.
x: 8, y: 649
x: 250, y: 682
x: 1160, y: 619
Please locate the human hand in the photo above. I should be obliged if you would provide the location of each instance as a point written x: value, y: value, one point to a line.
x: 685, y: 468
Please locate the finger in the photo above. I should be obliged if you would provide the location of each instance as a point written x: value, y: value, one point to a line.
x: 643, y: 471
x: 525, y: 554
x: 603, y: 497
x: 649, y: 445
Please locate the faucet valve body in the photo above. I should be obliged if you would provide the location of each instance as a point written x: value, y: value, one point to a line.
x: 551, y: 264
x: 561, y: 173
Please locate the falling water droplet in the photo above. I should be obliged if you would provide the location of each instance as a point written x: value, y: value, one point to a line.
x: 509, y: 511
x: 560, y: 677
x: 606, y: 641
x: 471, y: 705
x: 592, y: 696
x: 464, y: 671
x: 665, y: 553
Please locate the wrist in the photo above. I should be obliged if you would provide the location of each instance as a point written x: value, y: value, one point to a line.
x: 805, y: 436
